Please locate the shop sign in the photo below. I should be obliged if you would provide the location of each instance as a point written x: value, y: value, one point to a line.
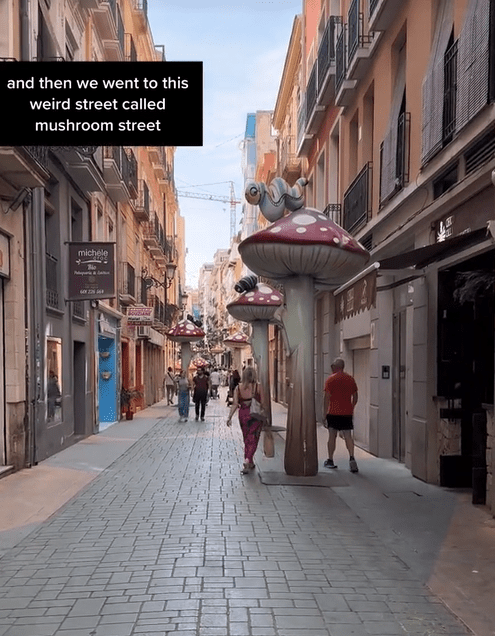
x: 472, y: 215
x: 360, y: 296
x: 91, y: 270
x: 140, y: 315
x: 4, y: 256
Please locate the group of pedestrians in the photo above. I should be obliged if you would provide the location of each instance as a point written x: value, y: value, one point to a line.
x: 203, y: 386
x: 340, y: 399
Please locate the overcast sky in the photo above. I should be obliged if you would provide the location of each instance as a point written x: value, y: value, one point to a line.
x: 242, y: 46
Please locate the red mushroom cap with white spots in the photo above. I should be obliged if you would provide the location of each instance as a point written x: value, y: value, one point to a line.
x: 185, y: 331
x: 259, y: 303
x: 305, y: 242
x: 239, y: 340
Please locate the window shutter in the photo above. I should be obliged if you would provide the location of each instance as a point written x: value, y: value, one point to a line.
x: 389, y: 157
x: 433, y: 84
x: 473, y: 62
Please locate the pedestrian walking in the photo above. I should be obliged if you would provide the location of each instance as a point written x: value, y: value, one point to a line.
x: 341, y: 396
x: 234, y: 380
x: 215, y: 383
x: 250, y: 427
x: 184, y: 387
x: 201, y: 383
x: 170, y: 386
x: 54, y: 394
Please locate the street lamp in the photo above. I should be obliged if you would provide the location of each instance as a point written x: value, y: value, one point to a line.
x: 184, y: 297
x: 151, y: 281
x: 169, y: 273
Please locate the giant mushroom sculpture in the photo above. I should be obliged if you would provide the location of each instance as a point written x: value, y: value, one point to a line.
x: 185, y: 332
x: 302, y: 249
x: 257, y: 306
x: 237, y: 341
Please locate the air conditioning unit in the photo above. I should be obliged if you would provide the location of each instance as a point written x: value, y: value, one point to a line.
x: 143, y: 332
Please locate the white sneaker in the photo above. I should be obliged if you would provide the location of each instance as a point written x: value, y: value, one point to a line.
x: 353, y: 467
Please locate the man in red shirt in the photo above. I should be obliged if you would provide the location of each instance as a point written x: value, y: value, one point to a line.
x: 341, y: 396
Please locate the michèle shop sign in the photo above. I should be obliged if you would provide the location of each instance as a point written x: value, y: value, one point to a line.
x: 91, y: 270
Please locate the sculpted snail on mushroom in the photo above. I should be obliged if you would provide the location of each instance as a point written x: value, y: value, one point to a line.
x: 302, y: 249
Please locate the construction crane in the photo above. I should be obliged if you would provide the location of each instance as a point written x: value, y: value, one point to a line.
x: 213, y: 197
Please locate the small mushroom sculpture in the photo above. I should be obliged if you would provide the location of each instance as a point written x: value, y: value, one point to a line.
x: 185, y: 332
x: 237, y: 341
x: 303, y: 249
x: 258, y: 306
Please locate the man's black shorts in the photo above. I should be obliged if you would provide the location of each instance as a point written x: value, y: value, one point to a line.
x: 340, y: 422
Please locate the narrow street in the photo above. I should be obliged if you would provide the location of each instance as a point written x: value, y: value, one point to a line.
x: 160, y: 534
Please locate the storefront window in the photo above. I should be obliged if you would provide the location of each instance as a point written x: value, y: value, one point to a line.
x: 54, y: 380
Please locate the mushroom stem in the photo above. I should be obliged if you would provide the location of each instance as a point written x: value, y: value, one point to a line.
x: 301, y: 456
x: 186, y: 355
x: 259, y: 344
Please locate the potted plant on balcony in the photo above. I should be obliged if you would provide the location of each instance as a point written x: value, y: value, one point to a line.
x: 127, y: 398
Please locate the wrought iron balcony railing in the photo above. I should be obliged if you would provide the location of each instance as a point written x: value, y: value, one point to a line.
x: 334, y: 212
x: 340, y: 59
x: 357, y: 200
x: 52, y: 297
x: 130, y: 171
x: 356, y: 36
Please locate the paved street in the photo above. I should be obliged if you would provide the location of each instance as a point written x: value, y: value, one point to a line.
x: 169, y: 538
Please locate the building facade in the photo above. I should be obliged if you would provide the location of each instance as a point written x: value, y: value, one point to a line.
x: 66, y: 360
x: 395, y: 135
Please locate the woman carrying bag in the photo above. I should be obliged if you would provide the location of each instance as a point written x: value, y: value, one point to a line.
x: 251, y: 426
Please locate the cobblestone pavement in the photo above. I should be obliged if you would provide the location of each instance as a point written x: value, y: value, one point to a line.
x: 172, y: 539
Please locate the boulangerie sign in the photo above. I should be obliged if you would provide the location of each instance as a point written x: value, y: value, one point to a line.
x: 360, y: 296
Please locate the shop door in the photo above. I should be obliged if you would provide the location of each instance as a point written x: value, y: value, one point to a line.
x: 399, y: 387
x: 3, y: 436
x: 466, y: 319
x: 361, y: 362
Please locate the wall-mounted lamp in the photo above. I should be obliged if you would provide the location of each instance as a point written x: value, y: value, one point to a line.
x: 151, y: 281
x: 18, y: 199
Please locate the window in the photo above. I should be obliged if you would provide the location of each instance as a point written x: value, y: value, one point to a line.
x: 445, y: 182
x: 54, y: 389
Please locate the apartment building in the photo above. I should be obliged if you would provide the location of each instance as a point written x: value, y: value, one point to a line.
x: 67, y: 360
x: 395, y: 132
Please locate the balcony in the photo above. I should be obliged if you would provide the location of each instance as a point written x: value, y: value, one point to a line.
x: 23, y: 167
x: 87, y: 171
x: 105, y: 21
x: 357, y: 201
x: 153, y: 237
x: 289, y: 162
x: 394, y: 158
x: 159, y: 314
x: 142, y: 205
x: 382, y: 13
x: 320, y: 88
x: 360, y: 44
x: 112, y: 173
x: 78, y: 310
x: 326, y: 60
x: 334, y: 212
x: 344, y: 87
x: 127, y: 284
x: 304, y: 139
x: 130, y: 172
x: 140, y: 14
x: 51, y: 273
